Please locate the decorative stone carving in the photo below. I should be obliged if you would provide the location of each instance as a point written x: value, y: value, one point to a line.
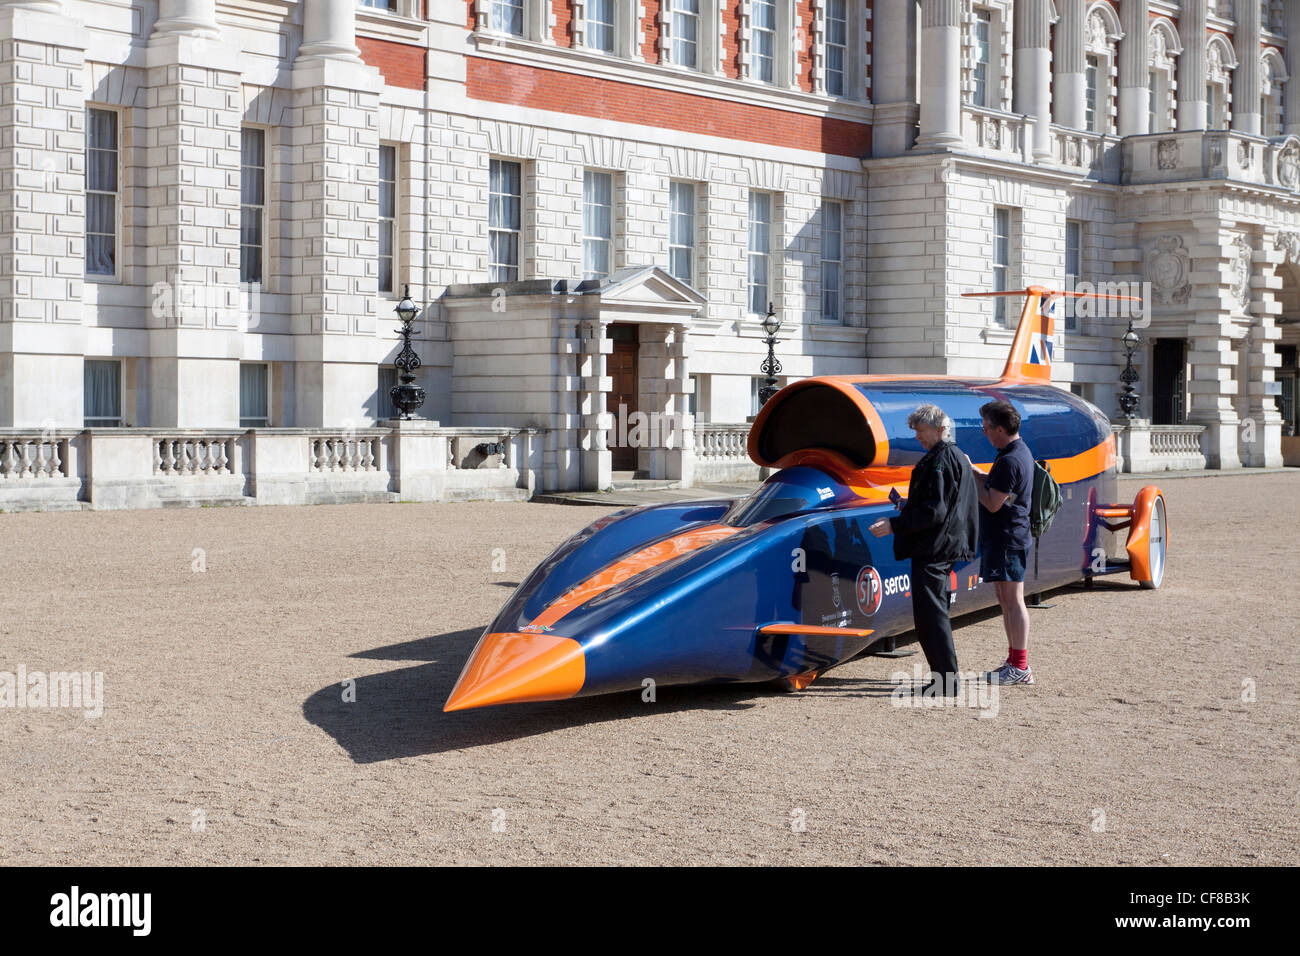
x: 1289, y: 244
x: 1216, y: 152
x: 1288, y: 166
x: 1072, y: 152
x: 1244, y: 153
x: 1096, y: 33
x: 1168, y: 265
x: 1240, y: 252
x: 992, y: 133
x: 1167, y: 154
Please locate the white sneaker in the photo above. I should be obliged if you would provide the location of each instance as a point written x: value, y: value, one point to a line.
x: 1008, y: 673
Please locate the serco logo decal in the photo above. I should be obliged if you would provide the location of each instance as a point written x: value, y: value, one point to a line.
x: 869, y: 591
x: 898, y: 584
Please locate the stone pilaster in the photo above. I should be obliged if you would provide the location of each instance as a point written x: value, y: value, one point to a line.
x: 893, y: 89
x: 1134, y: 82
x: 1068, y: 82
x: 194, y: 107
x: 669, y: 450
x: 42, y: 215
x: 940, y: 79
x: 1218, y: 303
x: 595, y: 463
x: 1192, y: 65
x: 1261, y: 432
x: 1291, y: 104
x: 335, y: 162
x: 1033, y: 71
x: 1245, y: 83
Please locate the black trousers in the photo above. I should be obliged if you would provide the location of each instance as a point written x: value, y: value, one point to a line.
x: 930, y: 590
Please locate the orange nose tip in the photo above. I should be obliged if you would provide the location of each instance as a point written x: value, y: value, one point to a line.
x: 510, y: 667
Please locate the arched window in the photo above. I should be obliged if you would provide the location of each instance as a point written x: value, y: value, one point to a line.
x: 1220, y: 61
x: 1272, y: 82
x: 1163, y: 48
x: 1102, y: 34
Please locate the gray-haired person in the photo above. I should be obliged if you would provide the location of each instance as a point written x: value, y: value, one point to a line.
x: 936, y: 527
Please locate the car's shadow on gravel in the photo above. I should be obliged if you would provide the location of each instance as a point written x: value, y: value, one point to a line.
x: 398, y: 713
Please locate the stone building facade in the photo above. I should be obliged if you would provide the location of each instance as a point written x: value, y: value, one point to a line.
x: 209, y: 210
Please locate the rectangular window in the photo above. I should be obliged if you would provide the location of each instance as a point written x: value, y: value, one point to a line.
x: 597, y: 224
x: 600, y: 25
x: 101, y: 192
x: 254, y: 399
x: 686, y: 33
x: 1001, y: 262
x: 983, y: 31
x: 837, y: 45
x: 1153, y: 102
x: 762, y: 51
x: 681, y: 231
x: 832, y: 259
x: 1090, y: 94
x: 387, y: 216
x: 504, y: 219
x: 1211, y: 105
x: 1073, y: 269
x: 389, y: 5
x: 102, y: 402
x: 252, y: 203
x: 760, y: 252
x: 508, y: 17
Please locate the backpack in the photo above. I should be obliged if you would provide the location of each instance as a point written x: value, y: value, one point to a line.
x: 1046, y: 500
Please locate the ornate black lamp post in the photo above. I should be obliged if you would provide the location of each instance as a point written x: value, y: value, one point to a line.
x: 1128, y: 399
x: 771, y: 367
x: 406, y: 395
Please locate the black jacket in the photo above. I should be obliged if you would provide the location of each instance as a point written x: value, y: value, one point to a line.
x: 940, y: 519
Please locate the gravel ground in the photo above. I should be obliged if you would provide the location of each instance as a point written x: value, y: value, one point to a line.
x: 225, y: 738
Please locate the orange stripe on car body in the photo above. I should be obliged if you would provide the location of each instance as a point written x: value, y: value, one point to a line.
x: 618, y: 572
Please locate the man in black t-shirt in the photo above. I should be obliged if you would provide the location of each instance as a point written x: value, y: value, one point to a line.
x: 1005, y: 494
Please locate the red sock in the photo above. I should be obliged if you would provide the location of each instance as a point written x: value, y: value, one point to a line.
x: 1019, y: 658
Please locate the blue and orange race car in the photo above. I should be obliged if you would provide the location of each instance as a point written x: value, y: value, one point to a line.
x: 787, y: 583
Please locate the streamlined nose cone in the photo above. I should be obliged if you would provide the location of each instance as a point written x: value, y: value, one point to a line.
x: 509, y: 667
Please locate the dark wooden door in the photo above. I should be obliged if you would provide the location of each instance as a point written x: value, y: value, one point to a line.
x: 1168, y: 381
x: 621, y: 367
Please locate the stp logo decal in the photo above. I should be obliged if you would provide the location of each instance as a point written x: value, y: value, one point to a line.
x: 869, y: 591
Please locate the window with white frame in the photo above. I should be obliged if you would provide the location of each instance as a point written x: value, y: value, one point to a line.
x: 762, y: 43
x: 102, y: 393
x: 1163, y: 48
x: 1073, y: 270
x: 837, y: 46
x: 505, y: 219
x: 759, y: 253
x: 686, y: 33
x: 1001, y: 262
x: 597, y: 224
x: 681, y: 231
x: 102, y: 189
x: 387, y: 217
x: 983, y: 93
x: 506, y: 16
x: 599, y: 25
x: 1220, y: 61
x: 1102, y: 38
x: 832, y: 261
x: 254, y: 395
x: 252, y: 203
x: 389, y: 5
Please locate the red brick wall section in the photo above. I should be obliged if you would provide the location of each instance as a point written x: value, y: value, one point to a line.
x: 470, y: 16
x: 731, y: 39
x: 400, y: 63
x: 650, y: 49
x: 563, y: 22
x: 534, y: 88
x: 805, y: 44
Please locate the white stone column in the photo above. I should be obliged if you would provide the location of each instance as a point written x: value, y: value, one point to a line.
x: 940, y: 79
x: 187, y: 17
x: 1032, y: 69
x: 893, y: 80
x: 329, y: 30
x: 1291, y: 103
x: 1134, y: 79
x: 1191, y: 65
x: 42, y: 215
x: 1245, y: 79
x: 1068, y: 81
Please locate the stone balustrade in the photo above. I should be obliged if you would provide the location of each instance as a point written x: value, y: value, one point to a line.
x: 996, y: 134
x: 721, y: 453
x: 1143, y: 447
x: 106, y: 468
x: 1094, y: 153
x: 1213, y: 154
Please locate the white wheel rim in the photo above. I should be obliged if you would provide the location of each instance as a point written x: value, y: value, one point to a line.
x: 1156, y: 541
